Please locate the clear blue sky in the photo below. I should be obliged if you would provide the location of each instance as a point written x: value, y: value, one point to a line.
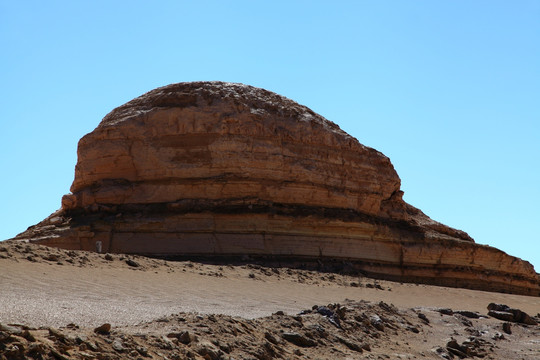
x: 449, y: 90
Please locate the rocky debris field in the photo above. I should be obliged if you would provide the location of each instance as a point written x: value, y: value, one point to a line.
x: 351, y: 329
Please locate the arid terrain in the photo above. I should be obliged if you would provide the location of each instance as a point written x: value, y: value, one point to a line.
x: 52, y: 301
x: 211, y: 168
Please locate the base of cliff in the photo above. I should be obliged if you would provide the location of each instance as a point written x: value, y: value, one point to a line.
x: 397, y: 251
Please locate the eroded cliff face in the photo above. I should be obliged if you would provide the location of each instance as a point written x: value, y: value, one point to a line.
x: 221, y: 169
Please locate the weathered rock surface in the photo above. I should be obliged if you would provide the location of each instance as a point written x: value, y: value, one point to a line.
x: 221, y: 169
x: 506, y: 313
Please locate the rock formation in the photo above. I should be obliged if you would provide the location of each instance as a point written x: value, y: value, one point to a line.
x: 221, y: 169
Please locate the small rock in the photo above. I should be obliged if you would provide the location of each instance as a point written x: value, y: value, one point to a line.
x: 332, y: 316
x: 117, y: 345
x: 57, y: 334
x: 507, y: 328
x: 446, y: 311
x: 298, y: 339
x: 465, y: 321
x: 91, y: 345
x: 86, y: 356
x: 142, y: 350
x: 523, y: 317
x: 323, y: 310
x: 455, y: 348
x: 57, y: 355
x: 208, y: 351
x: 502, y: 315
x: 11, y: 329
x: 5, y: 337
x: 132, y: 263
x: 413, y: 329
x: 341, y: 311
x: 271, y: 338
x: 498, y: 307
x: 423, y: 317
x: 185, y: 337
x: 34, y: 349
x: 506, y: 313
x: 51, y: 257
x: 81, y: 338
x: 28, y: 336
x: 376, y: 322
x: 351, y: 345
x: 165, y: 344
x: 469, y: 314
x: 109, y: 257
x: 14, y: 351
x: 104, y: 329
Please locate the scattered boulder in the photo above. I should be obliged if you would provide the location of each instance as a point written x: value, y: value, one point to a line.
x: 5, y: 337
x: 351, y: 344
x: 376, y: 322
x: 271, y: 338
x: 469, y: 314
x: 15, y: 330
x: 455, y: 348
x: 132, y: 263
x: 445, y: 311
x: 331, y: 315
x: 185, y: 337
x: 57, y: 334
x: 104, y: 329
x: 117, y: 345
x: 471, y: 348
x: 298, y: 339
x: 208, y: 351
x: 505, y: 313
x: 423, y: 317
x: 502, y: 315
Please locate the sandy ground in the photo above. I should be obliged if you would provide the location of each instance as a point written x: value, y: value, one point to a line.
x: 42, y: 287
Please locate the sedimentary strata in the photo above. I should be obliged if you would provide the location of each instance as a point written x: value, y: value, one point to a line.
x: 221, y: 169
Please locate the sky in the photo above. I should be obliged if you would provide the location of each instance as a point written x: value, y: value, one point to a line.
x: 448, y: 90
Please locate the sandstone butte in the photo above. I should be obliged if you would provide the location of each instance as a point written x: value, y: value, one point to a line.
x: 220, y: 169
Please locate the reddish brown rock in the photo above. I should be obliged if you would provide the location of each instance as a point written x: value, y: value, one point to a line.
x: 212, y: 168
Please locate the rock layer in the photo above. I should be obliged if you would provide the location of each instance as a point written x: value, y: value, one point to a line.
x: 221, y: 169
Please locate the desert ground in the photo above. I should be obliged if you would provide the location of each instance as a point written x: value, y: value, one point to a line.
x: 59, y: 304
